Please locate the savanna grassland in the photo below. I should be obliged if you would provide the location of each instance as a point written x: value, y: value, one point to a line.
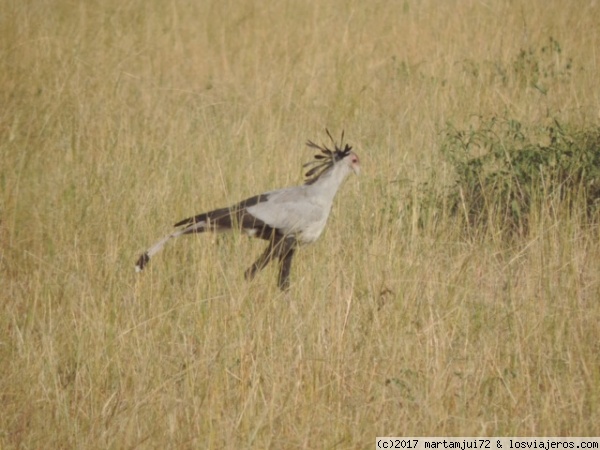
x: 118, y: 118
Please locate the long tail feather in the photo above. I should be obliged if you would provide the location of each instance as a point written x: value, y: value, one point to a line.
x: 223, y: 219
x: 144, y: 258
x: 197, y: 224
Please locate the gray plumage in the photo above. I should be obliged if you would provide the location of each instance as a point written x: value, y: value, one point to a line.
x: 285, y: 217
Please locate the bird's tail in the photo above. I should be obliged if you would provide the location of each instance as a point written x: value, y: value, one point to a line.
x: 219, y: 219
x: 144, y: 258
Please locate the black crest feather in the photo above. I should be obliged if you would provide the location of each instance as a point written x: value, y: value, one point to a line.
x: 326, y: 159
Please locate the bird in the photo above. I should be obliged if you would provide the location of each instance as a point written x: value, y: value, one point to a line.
x: 287, y: 218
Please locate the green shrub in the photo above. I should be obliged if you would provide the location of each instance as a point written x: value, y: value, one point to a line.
x: 502, y: 167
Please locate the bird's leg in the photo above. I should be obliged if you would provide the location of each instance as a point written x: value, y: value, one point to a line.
x: 285, y: 252
x: 261, y: 262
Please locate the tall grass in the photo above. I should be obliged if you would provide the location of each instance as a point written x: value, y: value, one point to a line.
x: 120, y: 117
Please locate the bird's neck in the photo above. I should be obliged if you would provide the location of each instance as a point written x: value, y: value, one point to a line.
x: 329, y: 182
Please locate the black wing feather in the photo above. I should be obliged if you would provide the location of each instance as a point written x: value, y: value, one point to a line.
x: 228, y: 218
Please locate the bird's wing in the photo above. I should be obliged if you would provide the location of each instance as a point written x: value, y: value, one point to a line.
x: 292, y: 211
x: 223, y: 217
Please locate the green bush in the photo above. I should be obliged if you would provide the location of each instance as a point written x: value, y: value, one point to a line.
x: 503, y: 167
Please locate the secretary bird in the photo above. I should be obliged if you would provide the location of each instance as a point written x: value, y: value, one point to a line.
x: 286, y: 218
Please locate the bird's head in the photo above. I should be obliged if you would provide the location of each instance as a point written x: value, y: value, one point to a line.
x: 326, y: 159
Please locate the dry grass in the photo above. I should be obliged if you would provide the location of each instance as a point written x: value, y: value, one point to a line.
x: 120, y: 117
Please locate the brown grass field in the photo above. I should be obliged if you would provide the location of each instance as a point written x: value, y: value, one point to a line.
x: 120, y: 117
